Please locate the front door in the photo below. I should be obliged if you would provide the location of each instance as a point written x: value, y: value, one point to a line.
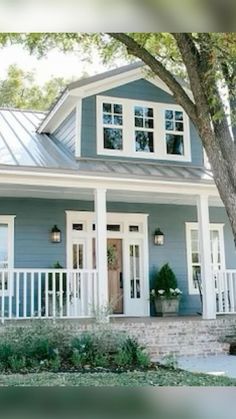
x: 115, y: 275
x: 127, y: 257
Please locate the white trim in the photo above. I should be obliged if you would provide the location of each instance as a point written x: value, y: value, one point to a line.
x: 9, y: 221
x: 128, y: 129
x: 101, y: 245
x: 195, y: 226
x: 120, y: 79
x: 78, y: 128
x: 125, y: 219
x: 54, y: 110
x: 52, y: 179
x: 100, y: 86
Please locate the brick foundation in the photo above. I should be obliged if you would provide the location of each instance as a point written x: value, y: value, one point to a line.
x: 177, y: 336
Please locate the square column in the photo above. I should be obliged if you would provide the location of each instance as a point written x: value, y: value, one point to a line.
x: 208, y: 286
x: 101, y: 247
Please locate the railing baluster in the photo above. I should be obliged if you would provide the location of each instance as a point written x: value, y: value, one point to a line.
x: 90, y: 294
x: 82, y: 292
x: 220, y: 291
x: 10, y: 281
x: 24, y: 295
x: 39, y: 293
x: 53, y: 295
x: 3, y: 296
x: 46, y: 294
x: 61, y: 294
x: 32, y: 293
x: 226, y: 293
x: 231, y: 293
x: 68, y: 292
x: 17, y: 295
x: 76, y: 293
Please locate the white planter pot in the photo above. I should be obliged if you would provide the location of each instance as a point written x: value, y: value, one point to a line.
x: 167, y: 307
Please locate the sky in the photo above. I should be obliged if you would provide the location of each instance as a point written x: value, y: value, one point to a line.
x: 55, y: 64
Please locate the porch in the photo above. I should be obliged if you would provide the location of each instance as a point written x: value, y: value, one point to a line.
x: 74, y: 294
x: 94, y: 214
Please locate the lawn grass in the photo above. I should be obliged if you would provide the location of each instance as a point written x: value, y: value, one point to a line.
x: 160, y: 377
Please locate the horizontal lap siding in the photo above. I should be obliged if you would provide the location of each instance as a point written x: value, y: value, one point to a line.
x: 137, y: 90
x: 66, y: 132
x: 35, y: 219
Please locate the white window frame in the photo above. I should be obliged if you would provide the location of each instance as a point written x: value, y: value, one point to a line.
x: 195, y: 226
x: 9, y: 220
x: 159, y: 132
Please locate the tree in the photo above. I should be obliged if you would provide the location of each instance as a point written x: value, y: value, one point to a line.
x: 19, y: 90
x: 206, y: 60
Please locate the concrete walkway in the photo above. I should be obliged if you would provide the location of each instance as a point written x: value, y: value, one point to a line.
x: 212, y: 364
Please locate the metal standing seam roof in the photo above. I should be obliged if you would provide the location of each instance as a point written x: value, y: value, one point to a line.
x: 22, y: 147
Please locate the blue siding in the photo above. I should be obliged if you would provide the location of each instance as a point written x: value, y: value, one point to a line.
x: 35, y: 218
x: 66, y: 132
x: 140, y: 90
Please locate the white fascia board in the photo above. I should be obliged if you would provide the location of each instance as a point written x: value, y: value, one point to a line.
x: 87, y: 181
x: 51, y: 113
x: 118, y: 80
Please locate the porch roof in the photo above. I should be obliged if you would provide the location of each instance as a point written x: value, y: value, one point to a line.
x: 22, y: 147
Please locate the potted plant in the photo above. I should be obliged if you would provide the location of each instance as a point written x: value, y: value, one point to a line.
x: 166, y: 294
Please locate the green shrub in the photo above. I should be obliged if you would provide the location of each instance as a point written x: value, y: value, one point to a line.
x: 17, y: 363
x: 44, y: 347
x: 165, y: 280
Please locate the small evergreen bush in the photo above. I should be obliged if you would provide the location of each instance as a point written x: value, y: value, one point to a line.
x: 165, y: 283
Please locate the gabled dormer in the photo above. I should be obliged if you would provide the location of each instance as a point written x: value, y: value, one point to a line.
x: 124, y: 114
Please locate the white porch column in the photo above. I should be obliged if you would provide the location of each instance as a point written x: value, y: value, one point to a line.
x: 101, y: 246
x: 208, y: 288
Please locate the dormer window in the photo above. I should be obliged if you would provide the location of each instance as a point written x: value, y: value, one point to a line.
x: 174, y: 127
x: 144, y: 129
x: 112, y: 126
x: 131, y: 128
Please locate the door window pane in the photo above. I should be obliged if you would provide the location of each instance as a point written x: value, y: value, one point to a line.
x: 78, y: 256
x: 135, y: 271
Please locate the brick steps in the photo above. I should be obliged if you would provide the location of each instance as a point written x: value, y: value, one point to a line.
x: 182, y: 337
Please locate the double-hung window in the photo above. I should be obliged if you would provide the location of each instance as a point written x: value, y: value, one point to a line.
x: 144, y: 129
x: 193, y: 252
x: 130, y: 128
x: 112, y: 126
x: 6, y: 249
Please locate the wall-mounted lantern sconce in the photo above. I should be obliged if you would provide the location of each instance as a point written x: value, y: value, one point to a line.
x: 55, y: 234
x: 159, y: 237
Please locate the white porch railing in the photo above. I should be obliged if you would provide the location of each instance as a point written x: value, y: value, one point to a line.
x: 225, y: 286
x: 48, y: 293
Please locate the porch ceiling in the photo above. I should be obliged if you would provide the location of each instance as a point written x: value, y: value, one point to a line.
x: 48, y: 192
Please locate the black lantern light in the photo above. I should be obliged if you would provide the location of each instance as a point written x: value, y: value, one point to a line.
x: 55, y: 234
x: 159, y: 237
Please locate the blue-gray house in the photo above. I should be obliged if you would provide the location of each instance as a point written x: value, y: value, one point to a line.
x: 85, y: 187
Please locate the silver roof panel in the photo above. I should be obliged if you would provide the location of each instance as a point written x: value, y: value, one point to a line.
x: 22, y: 147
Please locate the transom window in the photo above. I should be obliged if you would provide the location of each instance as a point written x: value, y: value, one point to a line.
x: 130, y: 128
x: 193, y: 252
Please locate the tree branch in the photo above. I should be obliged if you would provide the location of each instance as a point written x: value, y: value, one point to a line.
x: 158, y: 68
